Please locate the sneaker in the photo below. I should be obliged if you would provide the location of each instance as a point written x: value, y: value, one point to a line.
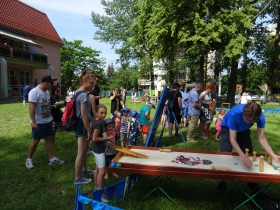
x: 222, y: 188
x: 203, y: 137
x: 88, y: 171
x: 192, y: 141
x: 29, y: 164
x: 82, y: 180
x: 56, y: 161
x: 217, y: 139
x: 89, y: 152
x: 104, y: 199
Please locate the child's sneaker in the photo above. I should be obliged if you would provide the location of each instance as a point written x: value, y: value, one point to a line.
x: 56, y: 161
x: 29, y: 164
x: 88, y: 171
x: 104, y: 199
x: 82, y: 180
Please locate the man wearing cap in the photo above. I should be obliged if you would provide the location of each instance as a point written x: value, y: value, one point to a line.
x: 174, y: 102
x: 194, y: 111
x: 144, y: 119
x: 41, y: 120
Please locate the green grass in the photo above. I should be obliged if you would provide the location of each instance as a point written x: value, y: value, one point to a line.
x: 51, y: 187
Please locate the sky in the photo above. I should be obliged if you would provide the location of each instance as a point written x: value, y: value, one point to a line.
x: 72, y: 21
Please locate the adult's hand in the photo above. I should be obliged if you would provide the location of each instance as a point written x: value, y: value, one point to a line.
x: 247, y: 162
x: 276, y: 157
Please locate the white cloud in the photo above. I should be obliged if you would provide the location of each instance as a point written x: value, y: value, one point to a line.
x: 83, y: 7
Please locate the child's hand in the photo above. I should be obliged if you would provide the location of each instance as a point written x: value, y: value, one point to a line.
x: 111, y: 137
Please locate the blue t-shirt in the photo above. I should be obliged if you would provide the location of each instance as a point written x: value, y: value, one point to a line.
x: 234, y: 119
x: 183, y: 96
x: 26, y: 90
x: 143, y: 119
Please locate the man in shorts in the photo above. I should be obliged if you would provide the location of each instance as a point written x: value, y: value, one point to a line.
x: 41, y: 120
x: 175, y: 112
x: 144, y: 119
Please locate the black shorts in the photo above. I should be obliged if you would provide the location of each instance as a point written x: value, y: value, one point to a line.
x: 108, y: 159
x: 243, y: 139
x: 177, y: 116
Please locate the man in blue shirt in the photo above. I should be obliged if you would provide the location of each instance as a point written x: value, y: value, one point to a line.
x: 194, y: 111
x: 184, y: 107
x: 25, y: 92
x: 235, y: 133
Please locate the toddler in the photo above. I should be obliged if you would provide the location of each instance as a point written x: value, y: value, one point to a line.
x: 109, y: 153
x: 117, y: 123
x: 218, y: 123
x: 133, y: 129
x: 124, y: 125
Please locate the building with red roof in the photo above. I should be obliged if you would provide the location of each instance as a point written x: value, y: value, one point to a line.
x: 29, y: 47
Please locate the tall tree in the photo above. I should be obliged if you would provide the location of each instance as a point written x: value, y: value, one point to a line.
x: 74, y: 59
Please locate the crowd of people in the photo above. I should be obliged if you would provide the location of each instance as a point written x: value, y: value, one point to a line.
x: 96, y: 131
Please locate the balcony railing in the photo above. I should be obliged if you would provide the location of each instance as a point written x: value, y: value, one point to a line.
x: 14, y: 52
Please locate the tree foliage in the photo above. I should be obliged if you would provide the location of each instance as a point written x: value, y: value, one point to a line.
x: 74, y: 59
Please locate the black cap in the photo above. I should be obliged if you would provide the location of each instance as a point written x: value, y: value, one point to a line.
x: 108, y: 121
x: 176, y: 85
x: 48, y: 78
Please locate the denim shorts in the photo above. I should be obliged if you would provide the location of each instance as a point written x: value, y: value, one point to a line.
x: 80, y: 129
x: 100, y: 160
x: 45, y: 130
x: 243, y: 139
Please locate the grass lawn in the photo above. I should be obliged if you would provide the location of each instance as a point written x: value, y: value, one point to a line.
x: 51, y: 187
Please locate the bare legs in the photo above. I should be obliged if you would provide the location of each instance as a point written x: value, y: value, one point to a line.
x: 80, y: 163
x: 98, y: 177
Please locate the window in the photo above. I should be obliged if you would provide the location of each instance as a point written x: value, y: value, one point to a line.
x: 24, y: 47
x: 12, y: 75
x: 25, y: 77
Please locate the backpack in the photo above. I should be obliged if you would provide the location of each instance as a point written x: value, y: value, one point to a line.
x: 266, y: 202
x: 69, y: 118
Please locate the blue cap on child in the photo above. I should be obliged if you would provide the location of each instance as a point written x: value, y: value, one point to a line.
x: 126, y: 110
x: 133, y: 113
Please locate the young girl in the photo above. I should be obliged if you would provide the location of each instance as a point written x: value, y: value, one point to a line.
x: 163, y: 116
x: 109, y: 153
x: 82, y: 129
x: 99, y: 146
x: 124, y: 124
x: 133, y: 129
x: 118, y: 123
x: 218, y: 123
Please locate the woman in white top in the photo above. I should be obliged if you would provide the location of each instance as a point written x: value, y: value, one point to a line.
x: 243, y: 98
x: 70, y: 92
x: 206, y: 100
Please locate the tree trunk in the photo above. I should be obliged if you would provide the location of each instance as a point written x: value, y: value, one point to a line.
x: 244, y: 72
x: 201, y: 69
x: 232, y: 82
